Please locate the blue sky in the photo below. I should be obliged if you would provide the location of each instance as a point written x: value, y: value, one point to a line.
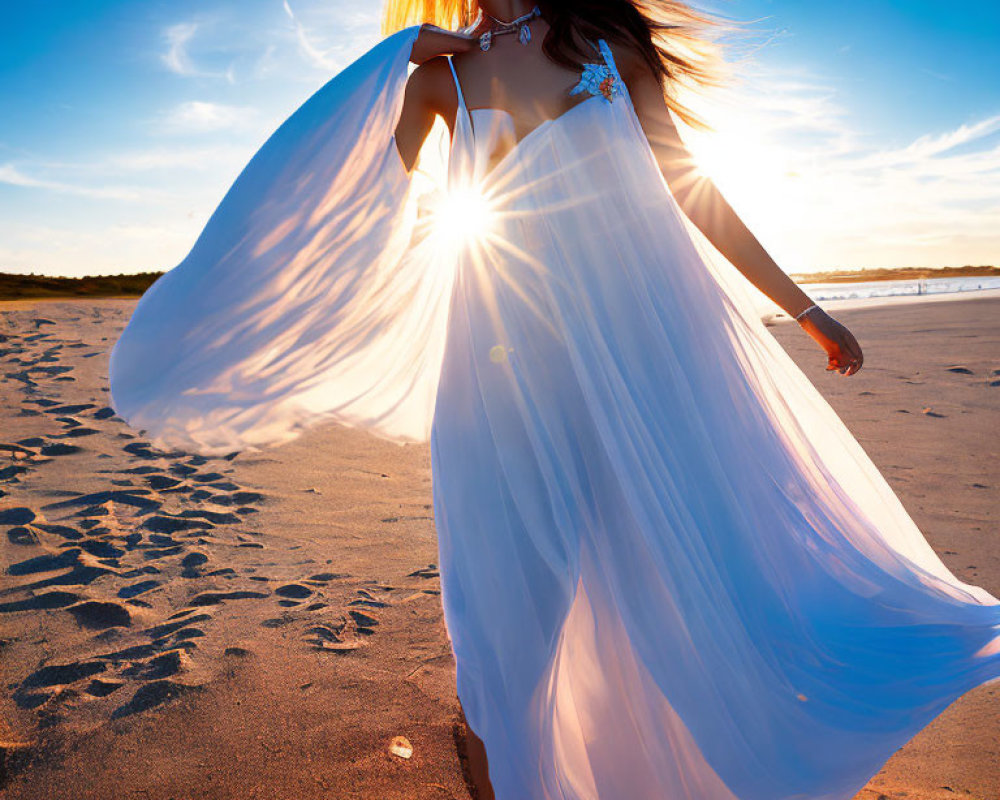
x: 856, y: 134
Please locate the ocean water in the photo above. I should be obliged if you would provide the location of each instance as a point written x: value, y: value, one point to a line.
x: 876, y: 289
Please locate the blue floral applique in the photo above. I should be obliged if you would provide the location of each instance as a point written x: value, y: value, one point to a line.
x: 602, y: 79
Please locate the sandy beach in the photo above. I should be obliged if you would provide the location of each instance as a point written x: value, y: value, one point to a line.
x: 262, y: 626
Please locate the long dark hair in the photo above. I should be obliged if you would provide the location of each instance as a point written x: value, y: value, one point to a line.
x: 674, y: 39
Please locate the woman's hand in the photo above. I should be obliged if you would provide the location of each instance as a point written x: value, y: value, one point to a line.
x: 433, y: 41
x: 841, y: 347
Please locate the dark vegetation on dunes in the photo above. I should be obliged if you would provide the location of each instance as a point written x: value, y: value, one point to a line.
x: 25, y: 287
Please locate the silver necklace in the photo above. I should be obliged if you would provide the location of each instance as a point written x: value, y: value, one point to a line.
x: 519, y: 25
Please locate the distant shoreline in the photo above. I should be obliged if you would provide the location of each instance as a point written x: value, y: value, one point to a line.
x: 892, y: 274
x: 14, y: 286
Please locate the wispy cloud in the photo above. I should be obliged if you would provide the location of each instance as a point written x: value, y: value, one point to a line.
x: 177, y: 57
x: 348, y: 33
x: 930, y: 146
x: 172, y: 159
x: 12, y: 176
x: 321, y: 35
x: 197, y: 116
x: 312, y: 53
x: 179, y: 158
x: 266, y: 63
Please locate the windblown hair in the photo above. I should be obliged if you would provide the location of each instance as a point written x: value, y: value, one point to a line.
x: 672, y: 38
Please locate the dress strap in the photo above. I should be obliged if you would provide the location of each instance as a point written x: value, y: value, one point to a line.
x: 609, y: 59
x: 458, y: 85
x: 602, y: 79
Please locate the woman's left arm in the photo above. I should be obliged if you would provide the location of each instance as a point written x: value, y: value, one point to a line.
x: 705, y: 206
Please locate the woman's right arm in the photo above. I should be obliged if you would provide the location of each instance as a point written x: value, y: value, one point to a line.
x: 430, y: 90
x: 705, y: 206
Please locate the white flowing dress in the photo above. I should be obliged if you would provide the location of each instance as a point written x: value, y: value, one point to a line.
x: 668, y: 569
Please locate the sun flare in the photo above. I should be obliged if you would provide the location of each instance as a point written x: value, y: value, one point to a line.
x: 461, y: 217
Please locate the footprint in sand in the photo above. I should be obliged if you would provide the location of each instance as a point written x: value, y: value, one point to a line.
x: 10, y: 473
x: 77, y: 575
x: 136, y: 589
x: 77, y: 433
x: 98, y: 615
x: 17, y: 516
x: 292, y: 594
x: 365, y: 623
x: 25, y: 450
x: 367, y: 600
x: 326, y: 577
x: 246, y: 543
x: 349, y: 633
x: 294, y: 591
x: 163, y: 524
x: 335, y: 638
x: 33, y: 691
x: 62, y: 674
x: 430, y: 571
x: 145, y: 450
x: 102, y: 688
x: 151, y: 695
x: 137, y: 498
x: 23, y: 535
x: 162, y: 666
x: 60, y: 449
x: 46, y: 563
x: 190, y: 564
x: 39, y: 602
x: 162, y: 483
x: 214, y: 598
x: 71, y: 409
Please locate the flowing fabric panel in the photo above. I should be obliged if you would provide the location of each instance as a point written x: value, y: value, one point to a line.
x: 667, y: 565
x: 311, y: 294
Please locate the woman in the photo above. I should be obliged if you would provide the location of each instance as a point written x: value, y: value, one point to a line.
x: 668, y: 570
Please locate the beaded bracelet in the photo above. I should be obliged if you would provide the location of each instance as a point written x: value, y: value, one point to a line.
x: 801, y: 314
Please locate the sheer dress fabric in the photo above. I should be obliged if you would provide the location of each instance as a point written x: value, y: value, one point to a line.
x: 668, y: 569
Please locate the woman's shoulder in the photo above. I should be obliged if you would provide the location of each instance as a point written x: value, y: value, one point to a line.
x: 432, y: 71
x: 432, y: 85
x: 629, y: 60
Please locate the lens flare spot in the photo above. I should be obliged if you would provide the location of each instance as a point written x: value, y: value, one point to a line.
x: 498, y: 354
x: 462, y: 217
